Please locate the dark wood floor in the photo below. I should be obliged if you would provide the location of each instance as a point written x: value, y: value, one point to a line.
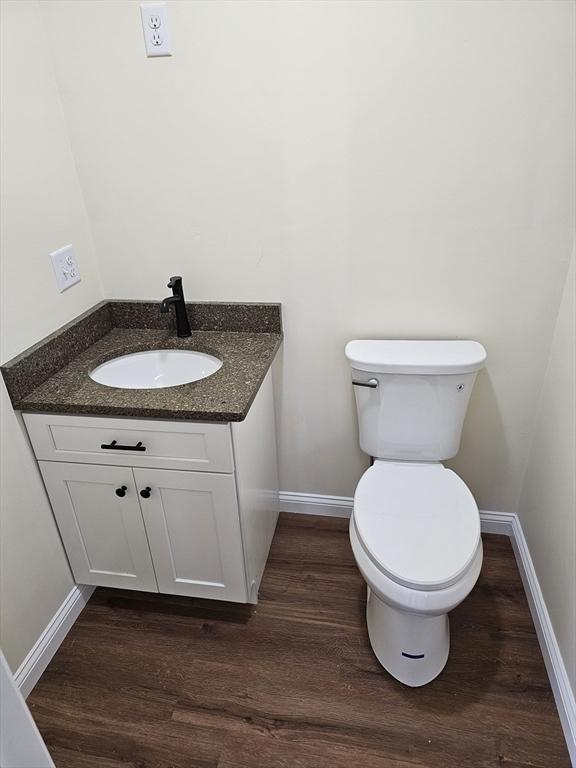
x: 147, y: 680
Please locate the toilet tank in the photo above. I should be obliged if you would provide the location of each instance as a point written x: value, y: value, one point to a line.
x: 412, y: 396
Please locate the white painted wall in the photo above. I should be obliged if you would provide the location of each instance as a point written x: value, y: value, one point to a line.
x: 548, y: 503
x: 42, y: 209
x: 385, y: 169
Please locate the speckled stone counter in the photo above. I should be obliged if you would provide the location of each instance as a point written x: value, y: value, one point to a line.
x: 53, y: 376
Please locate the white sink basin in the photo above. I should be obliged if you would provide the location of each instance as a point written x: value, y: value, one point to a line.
x: 155, y: 369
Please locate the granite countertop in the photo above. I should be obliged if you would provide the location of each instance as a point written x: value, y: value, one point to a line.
x: 53, y: 375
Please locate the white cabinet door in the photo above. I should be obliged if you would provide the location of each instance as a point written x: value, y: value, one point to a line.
x: 103, y: 532
x: 193, y: 529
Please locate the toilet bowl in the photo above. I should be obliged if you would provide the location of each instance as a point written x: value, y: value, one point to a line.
x: 415, y: 534
x: 415, y: 527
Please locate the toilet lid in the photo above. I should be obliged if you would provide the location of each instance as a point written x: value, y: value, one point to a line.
x: 418, y: 523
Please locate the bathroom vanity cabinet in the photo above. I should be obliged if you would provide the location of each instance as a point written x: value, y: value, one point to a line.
x: 179, y: 507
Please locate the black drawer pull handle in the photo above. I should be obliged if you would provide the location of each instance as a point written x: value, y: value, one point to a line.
x: 114, y: 446
x: 145, y: 492
x: 121, y: 491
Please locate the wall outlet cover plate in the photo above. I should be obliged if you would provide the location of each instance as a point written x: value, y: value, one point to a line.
x: 65, y: 267
x: 155, y: 27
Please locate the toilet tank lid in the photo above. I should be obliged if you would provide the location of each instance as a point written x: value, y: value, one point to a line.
x: 416, y: 357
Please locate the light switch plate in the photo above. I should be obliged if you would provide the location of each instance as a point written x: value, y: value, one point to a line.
x: 155, y: 27
x: 65, y: 267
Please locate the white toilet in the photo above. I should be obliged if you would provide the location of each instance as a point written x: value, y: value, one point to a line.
x: 415, y: 528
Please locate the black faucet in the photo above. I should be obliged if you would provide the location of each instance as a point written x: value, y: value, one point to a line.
x: 182, y: 323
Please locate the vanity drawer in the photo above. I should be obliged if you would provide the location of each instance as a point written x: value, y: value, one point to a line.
x: 190, y: 445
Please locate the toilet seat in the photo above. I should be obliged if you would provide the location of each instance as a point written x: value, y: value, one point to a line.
x: 417, y: 522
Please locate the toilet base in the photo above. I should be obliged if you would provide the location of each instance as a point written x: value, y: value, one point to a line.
x: 413, y: 648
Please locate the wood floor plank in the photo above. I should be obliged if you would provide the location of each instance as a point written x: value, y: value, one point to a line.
x: 267, y: 752
x: 155, y: 681
x: 79, y: 736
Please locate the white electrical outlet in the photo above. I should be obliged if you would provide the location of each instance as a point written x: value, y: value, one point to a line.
x: 155, y: 26
x: 65, y: 267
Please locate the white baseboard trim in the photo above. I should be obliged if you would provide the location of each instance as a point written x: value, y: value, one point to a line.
x: 507, y: 524
x: 28, y: 673
x: 563, y: 693
x: 316, y: 504
x: 497, y: 522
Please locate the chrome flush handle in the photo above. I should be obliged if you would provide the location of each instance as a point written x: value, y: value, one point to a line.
x: 371, y: 383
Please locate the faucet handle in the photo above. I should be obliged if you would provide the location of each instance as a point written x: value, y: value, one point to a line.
x: 173, y: 280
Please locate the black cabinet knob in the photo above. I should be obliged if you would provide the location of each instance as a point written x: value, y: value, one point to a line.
x: 121, y: 491
x: 145, y: 492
